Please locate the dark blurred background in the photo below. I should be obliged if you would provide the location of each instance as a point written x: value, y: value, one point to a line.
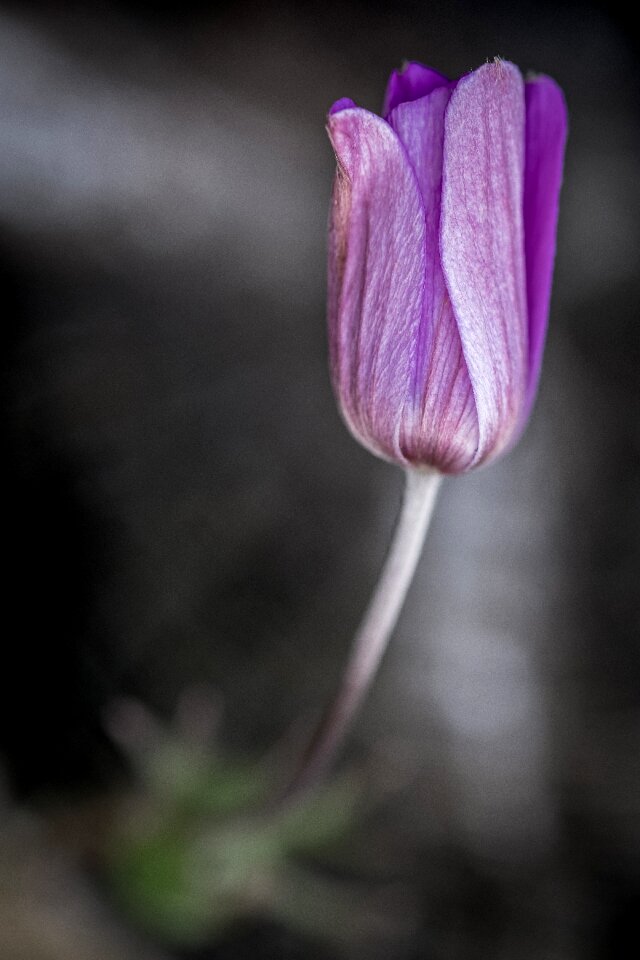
x: 184, y: 507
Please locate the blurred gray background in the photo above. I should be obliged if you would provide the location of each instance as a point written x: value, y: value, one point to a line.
x: 184, y: 504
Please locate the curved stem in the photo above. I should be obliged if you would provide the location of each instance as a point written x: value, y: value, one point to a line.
x: 372, y: 637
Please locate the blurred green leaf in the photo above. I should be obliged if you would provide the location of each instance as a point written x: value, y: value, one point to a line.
x: 321, y: 818
x: 197, y: 847
x: 153, y: 881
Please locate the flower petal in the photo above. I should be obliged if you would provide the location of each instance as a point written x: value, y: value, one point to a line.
x: 343, y: 104
x: 482, y: 244
x: 376, y: 270
x: 440, y: 423
x: 546, y: 134
x: 411, y: 82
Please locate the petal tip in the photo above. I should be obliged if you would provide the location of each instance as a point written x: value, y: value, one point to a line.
x: 410, y: 82
x: 548, y: 91
x: 344, y: 103
x: 498, y: 70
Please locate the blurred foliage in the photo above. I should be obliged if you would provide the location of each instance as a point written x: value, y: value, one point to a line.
x: 198, y: 843
x: 193, y: 847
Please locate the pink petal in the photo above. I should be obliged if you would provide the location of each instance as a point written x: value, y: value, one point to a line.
x: 376, y: 270
x: 411, y: 82
x: 482, y: 244
x: 546, y: 134
x: 440, y: 423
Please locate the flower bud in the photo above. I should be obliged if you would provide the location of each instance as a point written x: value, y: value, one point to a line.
x: 441, y: 249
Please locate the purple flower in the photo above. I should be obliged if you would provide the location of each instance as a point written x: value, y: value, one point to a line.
x: 442, y: 240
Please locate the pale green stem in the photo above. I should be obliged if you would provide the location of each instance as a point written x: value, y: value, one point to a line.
x: 372, y: 637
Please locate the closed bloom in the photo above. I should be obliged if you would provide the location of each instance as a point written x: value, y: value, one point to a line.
x: 442, y: 240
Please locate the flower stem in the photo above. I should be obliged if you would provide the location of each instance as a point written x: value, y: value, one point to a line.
x: 372, y: 637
